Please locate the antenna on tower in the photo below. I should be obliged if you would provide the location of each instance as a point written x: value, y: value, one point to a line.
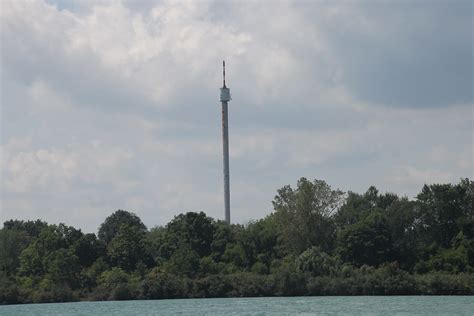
x: 223, y: 73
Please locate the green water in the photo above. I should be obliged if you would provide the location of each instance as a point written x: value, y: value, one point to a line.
x: 333, y: 305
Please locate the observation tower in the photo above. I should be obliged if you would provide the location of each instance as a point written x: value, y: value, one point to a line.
x: 225, y: 98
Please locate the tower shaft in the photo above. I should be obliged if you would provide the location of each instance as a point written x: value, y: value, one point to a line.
x: 225, y: 147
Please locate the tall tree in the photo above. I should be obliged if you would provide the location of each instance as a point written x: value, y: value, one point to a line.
x: 128, y: 248
x: 194, y: 230
x: 304, y: 215
x: 88, y: 249
x: 358, y: 206
x: 62, y: 266
x: 366, y: 242
x: 12, y: 243
x: 31, y: 228
x: 401, y: 219
x: 441, y: 209
x: 110, y: 227
x: 33, y: 260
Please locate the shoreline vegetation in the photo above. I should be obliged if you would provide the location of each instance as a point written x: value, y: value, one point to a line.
x: 317, y: 241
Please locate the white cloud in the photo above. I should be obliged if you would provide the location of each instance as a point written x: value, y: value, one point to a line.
x: 411, y: 175
x: 55, y: 169
x: 114, y: 104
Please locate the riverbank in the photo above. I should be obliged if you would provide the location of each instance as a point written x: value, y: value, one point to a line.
x: 376, y: 282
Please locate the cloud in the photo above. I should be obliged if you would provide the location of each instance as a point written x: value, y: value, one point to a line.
x: 403, y: 54
x: 114, y: 104
x: 413, y: 175
x: 56, y: 169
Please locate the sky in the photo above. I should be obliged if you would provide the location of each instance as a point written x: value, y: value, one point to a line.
x: 109, y: 105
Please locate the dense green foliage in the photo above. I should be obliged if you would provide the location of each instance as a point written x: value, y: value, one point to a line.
x: 318, y: 241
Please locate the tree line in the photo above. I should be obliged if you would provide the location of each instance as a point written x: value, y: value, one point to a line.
x: 317, y: 241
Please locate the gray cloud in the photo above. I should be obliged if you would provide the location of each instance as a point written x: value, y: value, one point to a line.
x: 414, y: 54
x: 109, y: 105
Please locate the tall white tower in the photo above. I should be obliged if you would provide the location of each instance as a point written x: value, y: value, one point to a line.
x: 225, y: 97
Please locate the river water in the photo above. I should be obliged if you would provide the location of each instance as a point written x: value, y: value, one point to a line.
x: 323, y: 305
